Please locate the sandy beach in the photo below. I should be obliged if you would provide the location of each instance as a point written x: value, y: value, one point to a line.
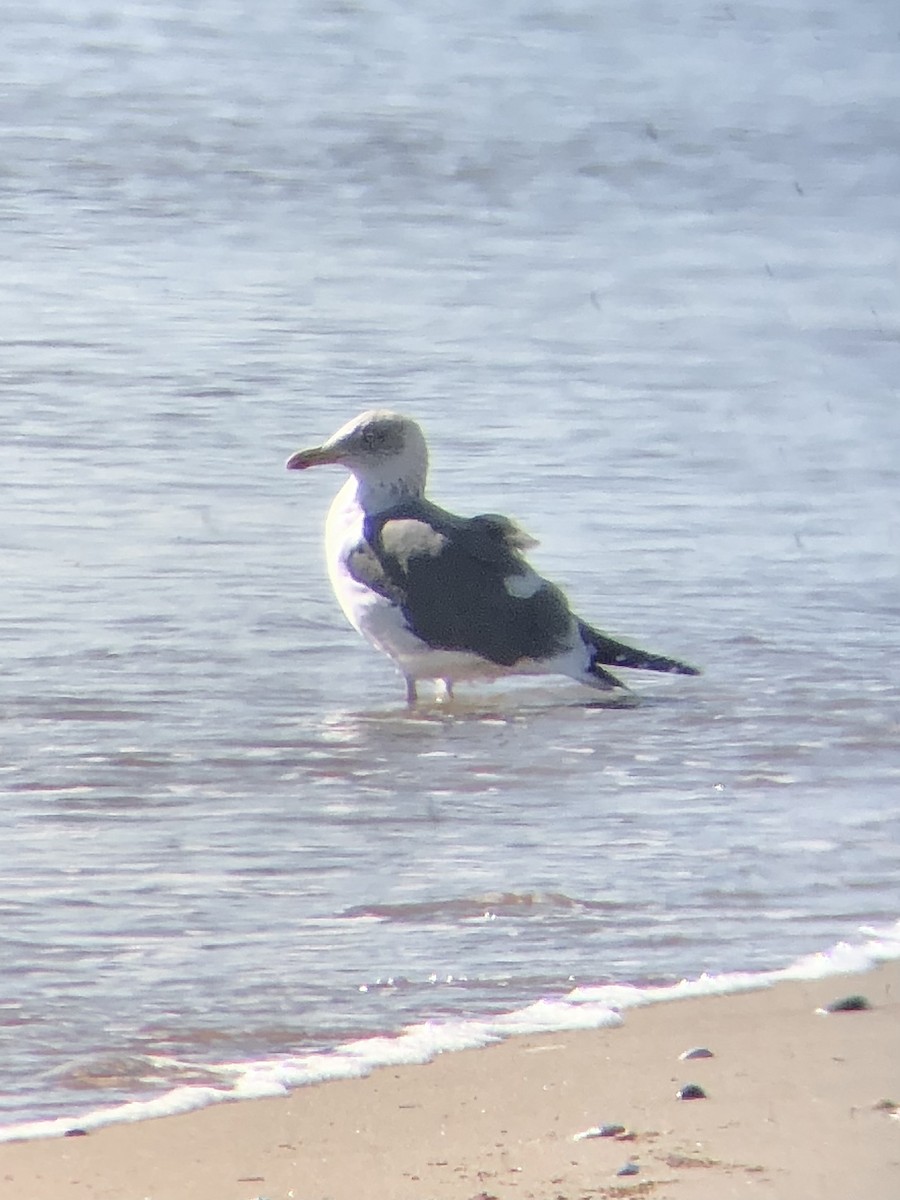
x: 798, y: 1106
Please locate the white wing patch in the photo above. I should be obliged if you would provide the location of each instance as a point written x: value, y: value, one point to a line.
x: 405, y: 537
x: 523, y: 585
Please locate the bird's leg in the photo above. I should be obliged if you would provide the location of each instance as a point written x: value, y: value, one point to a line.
x: 411, y: 694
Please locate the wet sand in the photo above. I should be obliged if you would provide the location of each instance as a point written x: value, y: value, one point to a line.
x: 798, y: 1107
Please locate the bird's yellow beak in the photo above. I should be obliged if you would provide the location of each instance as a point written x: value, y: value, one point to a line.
x: 317, y: 456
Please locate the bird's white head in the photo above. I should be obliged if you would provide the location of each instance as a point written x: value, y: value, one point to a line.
x: 384, y: 450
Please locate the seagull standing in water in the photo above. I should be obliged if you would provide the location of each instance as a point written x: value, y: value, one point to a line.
x: 448, y: 598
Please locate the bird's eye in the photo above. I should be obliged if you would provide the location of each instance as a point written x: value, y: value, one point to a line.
x: 370, y: 438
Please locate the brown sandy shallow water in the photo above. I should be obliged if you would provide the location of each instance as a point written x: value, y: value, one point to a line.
x: 799, y: 1106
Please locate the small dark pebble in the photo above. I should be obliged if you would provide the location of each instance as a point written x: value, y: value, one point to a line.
x: 848, y: 1004
x: 630, y: 1168
x: 610, y: 1130
x: 691, y: 1091
x: 76, y: 1133
x: 696, y: 1052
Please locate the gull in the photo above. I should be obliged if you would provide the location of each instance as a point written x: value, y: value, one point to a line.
x: 448, y: 598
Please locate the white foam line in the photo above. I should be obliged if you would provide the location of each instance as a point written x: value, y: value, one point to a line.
x: 582, y: 1008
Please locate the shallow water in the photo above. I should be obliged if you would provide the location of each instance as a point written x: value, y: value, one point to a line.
x: 636, y: 273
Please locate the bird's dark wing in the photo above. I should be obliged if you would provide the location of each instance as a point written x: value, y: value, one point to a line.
x: 462, y: 583
x: 612, y: 653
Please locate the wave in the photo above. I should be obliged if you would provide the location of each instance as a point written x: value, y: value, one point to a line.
x: 479, y: 907
x: 584, y: 1007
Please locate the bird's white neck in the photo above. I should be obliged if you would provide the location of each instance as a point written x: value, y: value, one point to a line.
x: 376, y: 491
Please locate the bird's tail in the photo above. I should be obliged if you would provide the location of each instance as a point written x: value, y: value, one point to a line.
x: 605, y: 651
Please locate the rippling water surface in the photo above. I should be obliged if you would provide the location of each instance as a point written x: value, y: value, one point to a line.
x: 635, y: 270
